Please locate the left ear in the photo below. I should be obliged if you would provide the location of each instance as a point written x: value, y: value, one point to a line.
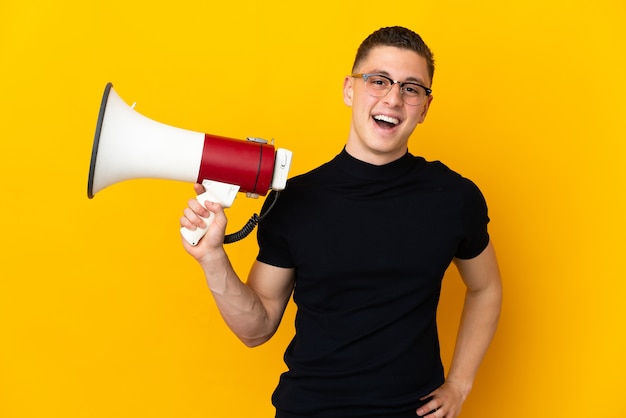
x: 348, y: 90
x: 425, y: 108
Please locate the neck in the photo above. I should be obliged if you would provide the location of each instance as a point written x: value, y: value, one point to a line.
x: 374, y: 157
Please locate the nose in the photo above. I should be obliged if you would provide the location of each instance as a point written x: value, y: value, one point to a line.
x: 394, y: 96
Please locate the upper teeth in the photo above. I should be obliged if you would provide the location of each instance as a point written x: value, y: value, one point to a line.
x: 387, y: 119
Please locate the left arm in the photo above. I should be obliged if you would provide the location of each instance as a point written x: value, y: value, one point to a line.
x: 479, y: 320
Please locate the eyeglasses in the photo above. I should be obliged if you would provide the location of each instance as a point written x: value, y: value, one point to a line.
x: 378, y: 85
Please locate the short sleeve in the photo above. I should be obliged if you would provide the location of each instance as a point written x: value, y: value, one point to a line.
x: 271, y: 235
x: 475, y: 221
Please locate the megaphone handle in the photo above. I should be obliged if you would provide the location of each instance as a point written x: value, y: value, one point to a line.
x: 194, y: 237
x: 222, y: 193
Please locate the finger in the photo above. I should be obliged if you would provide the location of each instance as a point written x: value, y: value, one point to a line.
x: 185, y: 223
x: 436, y: 413
x: 199, y: 188
x: 198, y: 208
x: 429, y: 408
x: 213, y: 206
x: 191, y: 220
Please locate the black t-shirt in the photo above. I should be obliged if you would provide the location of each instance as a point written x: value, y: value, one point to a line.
x: 369, y: 245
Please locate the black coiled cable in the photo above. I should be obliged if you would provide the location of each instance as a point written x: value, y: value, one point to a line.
x: 250, y: 225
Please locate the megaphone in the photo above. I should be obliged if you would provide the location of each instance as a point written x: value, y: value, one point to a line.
x: 128, y: 145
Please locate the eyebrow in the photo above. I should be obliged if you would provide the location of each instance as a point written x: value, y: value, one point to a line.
x: 408, y: 80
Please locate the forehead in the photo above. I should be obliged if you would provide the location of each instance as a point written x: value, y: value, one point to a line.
x: 399, y: 63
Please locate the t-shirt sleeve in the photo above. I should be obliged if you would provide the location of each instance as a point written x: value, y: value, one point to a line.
x: 475, y: 223
x: 272, y: 235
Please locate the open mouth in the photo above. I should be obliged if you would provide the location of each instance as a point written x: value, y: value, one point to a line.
x: 386, y: 122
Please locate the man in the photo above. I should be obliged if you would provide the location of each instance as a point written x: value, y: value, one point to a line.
x: 363, y: 242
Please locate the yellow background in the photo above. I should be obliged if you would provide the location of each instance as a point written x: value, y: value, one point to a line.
x: 102, y: 313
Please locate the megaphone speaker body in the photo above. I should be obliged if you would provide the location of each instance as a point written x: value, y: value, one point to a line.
x: 128, y: 145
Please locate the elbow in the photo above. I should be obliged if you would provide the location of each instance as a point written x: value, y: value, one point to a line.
x: 252, y: 342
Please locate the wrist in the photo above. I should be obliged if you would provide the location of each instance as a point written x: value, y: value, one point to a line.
x: 213, y: 258
x: 218, y: 271
x: 463, y: 386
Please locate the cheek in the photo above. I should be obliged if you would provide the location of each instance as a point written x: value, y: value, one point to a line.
x: 363, y: 101
x: 420, y: 114
x: 361, y: 110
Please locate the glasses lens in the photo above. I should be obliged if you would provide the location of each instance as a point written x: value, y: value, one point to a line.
x: 413, y: 94
x: 377, y: 86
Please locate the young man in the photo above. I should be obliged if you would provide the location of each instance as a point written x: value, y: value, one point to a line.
x: 363, y: 243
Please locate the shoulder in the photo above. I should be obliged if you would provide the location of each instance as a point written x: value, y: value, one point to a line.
x: 308, y: 182
x: 439, y: 172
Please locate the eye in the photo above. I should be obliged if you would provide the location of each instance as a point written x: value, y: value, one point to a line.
x: 412, y: 89
x: 378, y: 81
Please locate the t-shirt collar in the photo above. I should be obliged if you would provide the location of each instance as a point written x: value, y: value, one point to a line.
x: 365, y: 170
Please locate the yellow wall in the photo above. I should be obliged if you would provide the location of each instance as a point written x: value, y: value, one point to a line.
x: 102, y: 314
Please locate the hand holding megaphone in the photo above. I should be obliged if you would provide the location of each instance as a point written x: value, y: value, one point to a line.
x: 216, y: 192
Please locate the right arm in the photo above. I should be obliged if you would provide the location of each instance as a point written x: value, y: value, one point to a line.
x: 252, y: 310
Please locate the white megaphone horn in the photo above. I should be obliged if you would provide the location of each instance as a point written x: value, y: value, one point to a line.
x: 128, y: 145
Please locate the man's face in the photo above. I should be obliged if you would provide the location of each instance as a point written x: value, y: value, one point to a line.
x: 381, y: 126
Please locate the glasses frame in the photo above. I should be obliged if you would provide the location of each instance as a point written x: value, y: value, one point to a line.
x: 392, y: 82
